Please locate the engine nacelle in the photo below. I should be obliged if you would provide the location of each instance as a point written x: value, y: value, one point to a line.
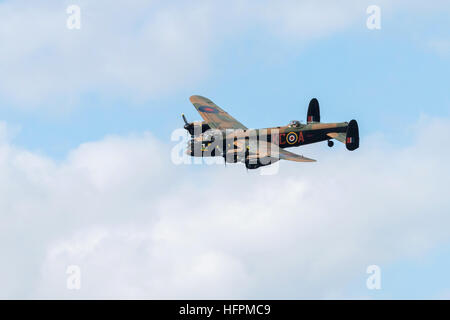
x: 258, y: 163
x: 252, y: 166
x: 233, y: 156
x: 197, y: 128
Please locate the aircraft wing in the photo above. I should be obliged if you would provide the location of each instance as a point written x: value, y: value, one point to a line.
x: 264, y: 149
x: 214, y: 115
x: 338, y: 136
x: 287, y: 155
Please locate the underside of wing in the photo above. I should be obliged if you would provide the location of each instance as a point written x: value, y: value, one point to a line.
x: 287, y: 155
x: 263, y: 149
x: 339, y: 136
x: 214, y: 115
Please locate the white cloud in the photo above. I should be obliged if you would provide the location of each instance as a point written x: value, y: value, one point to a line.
x: 140, y: 49
x: 141, y: 228
x: 135, y: 48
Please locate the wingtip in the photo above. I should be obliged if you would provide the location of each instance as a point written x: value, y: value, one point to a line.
x: 195, y: 97
x: 308, y: 159
x: 200, y: 99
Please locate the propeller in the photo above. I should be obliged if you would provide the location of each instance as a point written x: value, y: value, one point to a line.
x: 247, y: 153
x: 188, y: 126
x: 184, y: 118
x: 224, y: 155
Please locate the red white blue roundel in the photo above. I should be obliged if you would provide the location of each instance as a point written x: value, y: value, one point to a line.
x: 207, y: 109
x: 291, y: 138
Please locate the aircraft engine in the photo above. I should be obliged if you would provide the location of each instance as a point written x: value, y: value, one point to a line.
x: 258, y: 163
x: 195, y: 128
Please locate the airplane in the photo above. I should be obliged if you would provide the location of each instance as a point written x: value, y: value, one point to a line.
x: 220, y: 135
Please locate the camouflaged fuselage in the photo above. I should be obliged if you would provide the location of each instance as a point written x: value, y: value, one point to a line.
x: 287, y: 136
x: 283, y: 136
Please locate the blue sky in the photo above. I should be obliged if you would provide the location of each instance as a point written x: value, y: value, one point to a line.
x: 384, y: 76
x: 263, y: 70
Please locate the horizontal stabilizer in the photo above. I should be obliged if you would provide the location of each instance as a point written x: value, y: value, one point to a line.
x: 339, y: 136
x: 350, y: 138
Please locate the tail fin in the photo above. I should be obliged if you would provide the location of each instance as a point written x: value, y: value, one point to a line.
x: 352, y: 138
x: 313, y: 111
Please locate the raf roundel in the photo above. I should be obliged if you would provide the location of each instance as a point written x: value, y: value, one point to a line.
x: 207, y: 109
x: 291, y: 137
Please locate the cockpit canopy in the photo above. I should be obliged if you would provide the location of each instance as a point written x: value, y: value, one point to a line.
x: 294, y: 124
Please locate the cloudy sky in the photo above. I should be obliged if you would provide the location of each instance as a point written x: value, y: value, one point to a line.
x: 86, y: 171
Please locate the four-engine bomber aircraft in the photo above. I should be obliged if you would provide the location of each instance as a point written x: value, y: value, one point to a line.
x: 222, y: 135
